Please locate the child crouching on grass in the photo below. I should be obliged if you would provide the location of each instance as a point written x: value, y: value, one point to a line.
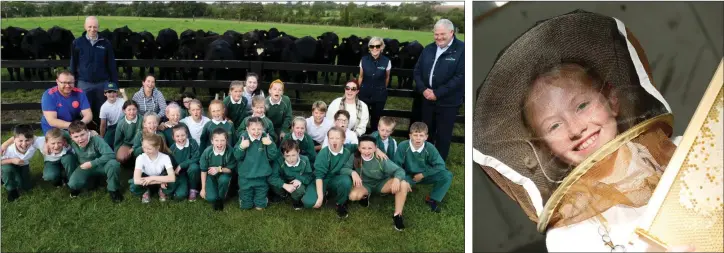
x: 295, y: 172
x: 126, y: 130
x: 153, y: 167
x: 95, y: 158
x: 16, y: 161
x: 304, y: 141
x: 217, y: 165
x: 150, y: 125
x: 186, y: 153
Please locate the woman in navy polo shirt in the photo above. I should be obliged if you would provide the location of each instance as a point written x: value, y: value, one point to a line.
x: 374, y: 76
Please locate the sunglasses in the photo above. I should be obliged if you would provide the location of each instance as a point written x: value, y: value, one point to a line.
x: 378, y: 46
x: 350, y: 88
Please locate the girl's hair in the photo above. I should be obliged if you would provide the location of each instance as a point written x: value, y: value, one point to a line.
x: 354, y: 81
x: 358, y: 154
x: 299, y: 119
x: 128, y: 103
x: 156, y: 141
x: 196, y: 102
x: 236, y: 84
x: 149, y: 75
x: 188, y: 94
x: 339, y: 130
x: 217, y: 102
x: 256, y: 100
x: 276, y: 82
x: 149, y: 115
x: 254, y: 120
x: 341, y: 112
x: 289, y: 145
x: 53, y: 133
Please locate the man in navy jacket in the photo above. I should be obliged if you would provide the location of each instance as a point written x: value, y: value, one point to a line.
x: 93, y: 64
x: 439, y: 76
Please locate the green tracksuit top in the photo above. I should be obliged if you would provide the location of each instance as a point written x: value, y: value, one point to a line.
x: 329, y: 165
x: 225, y: 160
x: 255, y: 161
x: 301, y: 172
x: 279, y: 114
x: 125, y: 132
x: 428, y: 162
x: 187, y: 155
x: 391, y: 144
x: 97, y: 151
x: 207, y: 132
x: 376, y: 171
x: 168, y: 134
x: 306, y: 146
x: 236, y: 112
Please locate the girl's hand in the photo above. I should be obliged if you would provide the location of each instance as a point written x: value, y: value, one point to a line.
x: 266, y: 140
x: 202, y: 193
x: 289, y: 188
x: 85, y: 165
x: 281, y: 135
x: 320, y: 199
x: 212, y: 171
x: 296, y: 183
x: 395, y: 186
x: 244, y: 143
x: 381, y: 155
x: 164, y: 186
x: 356, y: 180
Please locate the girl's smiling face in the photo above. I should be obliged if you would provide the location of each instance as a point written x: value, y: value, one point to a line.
x: 251, y: 84
x: 236, y: 93
x: 150, y: 124
x: 217, y: 111
x: 258, y: 110
x: 179, y: 136
x: 572, y: 118
x: 148, y: 148
x: 367, y: 149
x: 131, y: 112
x: 255, y: 130
x: 173, y: 114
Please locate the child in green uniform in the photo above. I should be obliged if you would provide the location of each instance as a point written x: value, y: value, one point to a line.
x: 383, y: 138
x: 278, y: 108
x: 217, y: 163
x: 295, y: 172
x: 304, y: 141
x: 153, y: 167
x: 218, y: 120
x: 173, y: 114
x: 424, y: 165
x: 16, y: 161
x: 378, y: 177
x: 150, y: 125
x: 95, y: 158
x: 235, y: 103
x: 126, y: 130
x: 330, y: 174
x: 258, y: 110
x: 185, y: 154
x: 255, y: 154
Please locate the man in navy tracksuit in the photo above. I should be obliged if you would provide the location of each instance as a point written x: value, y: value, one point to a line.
x: 439, y: 76
x: 93, y: 64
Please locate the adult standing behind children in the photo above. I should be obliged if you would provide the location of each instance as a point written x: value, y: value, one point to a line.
x: 359, y: 115
x: 63, y: 104
x: 93, y: 63
x: 149, y: 98
x: 374, y: 76
x: 439, y: 76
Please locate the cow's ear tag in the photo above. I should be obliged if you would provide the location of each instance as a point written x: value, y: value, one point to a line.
x: 159, y: 47
x: 335, y: 46
x: 21, y: 34
x: 281, y: 35
x: 237, y: 44
x: 143, y: 41
x: 360, y: 42
x: 344, y: 41
x: 254, y: 44
x: 196, y: 56
x: 402, y: 47
x: 126, y: 39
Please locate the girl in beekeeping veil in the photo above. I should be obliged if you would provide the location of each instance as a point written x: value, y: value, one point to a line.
x: 569, y: 124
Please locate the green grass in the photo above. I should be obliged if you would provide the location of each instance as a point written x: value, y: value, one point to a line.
x: 46, y: 219
x: 153, y: 25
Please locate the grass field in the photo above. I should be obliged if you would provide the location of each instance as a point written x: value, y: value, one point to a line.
x: 45, y: 219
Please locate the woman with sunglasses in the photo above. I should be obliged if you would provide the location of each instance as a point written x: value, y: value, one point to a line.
x: 374, y: 76
x: 358, y: 113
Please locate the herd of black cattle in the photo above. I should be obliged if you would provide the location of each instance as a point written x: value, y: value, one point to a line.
x: 257, y: 45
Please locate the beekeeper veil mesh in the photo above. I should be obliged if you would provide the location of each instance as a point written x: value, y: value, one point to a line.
x: 550, y: 191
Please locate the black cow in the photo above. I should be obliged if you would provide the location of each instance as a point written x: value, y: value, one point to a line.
x: 123, y: 47
x: 235, y: 38
x: 106, y: 34
x: 271, y: 51
x: 11, y: 39
x: 218, y: 50
x: 263, y: 35
x: 392, y: 51
x: 147, y: 49
x: 303, y: 50
x: 210, y: 33
x: 167, y: 43
x: 36, y: 45
x: 273, y: 33
x: 349, y: 53
x: 409, y: 53
x: 249, y: 41
x: 187, y: 37
x: 327, y: 44
x: 283, y: 34
x: 61, y: 41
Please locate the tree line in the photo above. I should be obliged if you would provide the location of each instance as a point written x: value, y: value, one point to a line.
x: 406, y: 16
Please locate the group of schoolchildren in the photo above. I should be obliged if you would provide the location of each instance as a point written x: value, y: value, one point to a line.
x: 247, y: 138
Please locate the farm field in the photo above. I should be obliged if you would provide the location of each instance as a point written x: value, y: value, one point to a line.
x: 46, y: 219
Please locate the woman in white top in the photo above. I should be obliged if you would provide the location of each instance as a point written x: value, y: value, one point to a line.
x: 359, y: 114
x: 251, y: 89
x: 153, y: 167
